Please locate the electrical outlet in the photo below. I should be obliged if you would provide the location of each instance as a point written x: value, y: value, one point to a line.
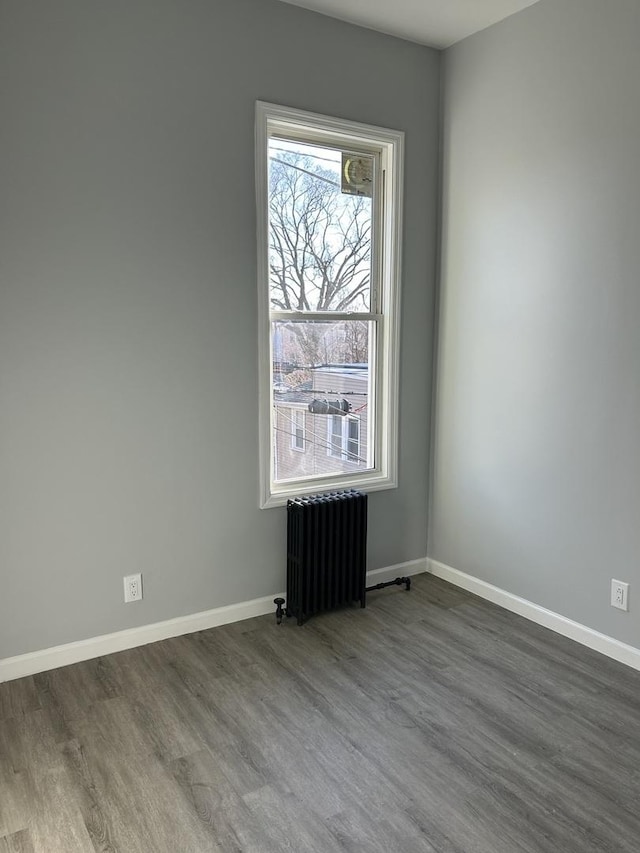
x: 132, y: 588
x: 619, y: 594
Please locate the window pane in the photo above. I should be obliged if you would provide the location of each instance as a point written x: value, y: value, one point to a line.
x: 319, y: 228
x: 336, y: 435
x: 353, y: 448
x: 297, y: 437
x: 325, y: 367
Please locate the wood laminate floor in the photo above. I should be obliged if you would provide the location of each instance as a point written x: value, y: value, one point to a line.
x: 431, y: 722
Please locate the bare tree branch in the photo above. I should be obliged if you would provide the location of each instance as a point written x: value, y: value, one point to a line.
x: 319, y: 254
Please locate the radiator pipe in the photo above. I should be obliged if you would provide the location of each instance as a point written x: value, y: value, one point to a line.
x: 396, y: 582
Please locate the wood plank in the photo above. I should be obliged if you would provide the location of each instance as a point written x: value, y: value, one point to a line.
x: 18, y: 842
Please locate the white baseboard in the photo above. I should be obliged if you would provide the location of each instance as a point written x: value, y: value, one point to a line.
x: 389, y: 573
x: 602, y: 643
x: 51, y: 658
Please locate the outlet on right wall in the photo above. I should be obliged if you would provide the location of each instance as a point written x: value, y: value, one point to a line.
x: 536, y: 475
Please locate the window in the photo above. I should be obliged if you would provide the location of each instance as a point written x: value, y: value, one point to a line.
x: 297, y: 434
x: 335, y: 436
x: 353, y: 440
x: 344, y: 439
x: 329, y: 211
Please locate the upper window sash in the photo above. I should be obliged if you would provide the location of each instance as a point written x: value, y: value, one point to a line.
x: 331, y: 195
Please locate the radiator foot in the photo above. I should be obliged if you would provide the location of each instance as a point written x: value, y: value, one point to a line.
x: 396, y: 582
x: 279, y: 609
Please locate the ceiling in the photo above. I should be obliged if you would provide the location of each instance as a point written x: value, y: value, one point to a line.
x: 437, y: 23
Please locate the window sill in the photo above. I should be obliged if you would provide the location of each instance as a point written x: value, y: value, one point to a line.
x: 279, y: 495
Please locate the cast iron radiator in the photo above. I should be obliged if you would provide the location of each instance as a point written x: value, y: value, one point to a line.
x: 326, y: 553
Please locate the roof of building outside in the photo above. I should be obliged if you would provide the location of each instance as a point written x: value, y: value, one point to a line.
x: 344, y: 369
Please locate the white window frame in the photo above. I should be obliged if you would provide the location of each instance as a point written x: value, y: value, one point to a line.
x: 384, y: 386
x: 298, y: 428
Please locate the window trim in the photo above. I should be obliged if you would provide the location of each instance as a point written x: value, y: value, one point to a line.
x: 390, y: 143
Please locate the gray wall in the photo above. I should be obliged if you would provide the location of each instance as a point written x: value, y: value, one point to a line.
x: 536, y: 479
x: 128, y: 381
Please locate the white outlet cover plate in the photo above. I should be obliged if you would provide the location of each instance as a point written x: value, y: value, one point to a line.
x: 619, y: 594
x: 132, y: 588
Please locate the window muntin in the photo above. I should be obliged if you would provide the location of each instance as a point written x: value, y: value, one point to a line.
x: 329, y: 298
